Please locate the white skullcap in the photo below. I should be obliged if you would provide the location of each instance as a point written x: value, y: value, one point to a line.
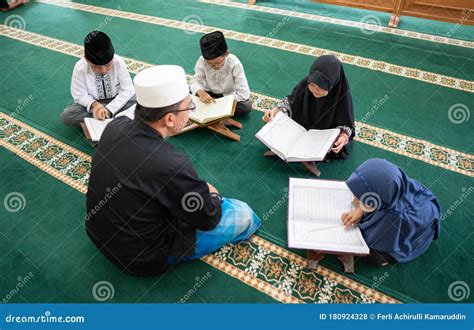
x: 161, y: 86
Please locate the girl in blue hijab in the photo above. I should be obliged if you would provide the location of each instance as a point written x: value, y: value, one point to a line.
x: 398, y: 216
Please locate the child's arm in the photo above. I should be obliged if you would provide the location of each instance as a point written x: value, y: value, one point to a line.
x: 127, y: 90
x: 79, y: 90
x: 242, y: 90
x: 198, y: 81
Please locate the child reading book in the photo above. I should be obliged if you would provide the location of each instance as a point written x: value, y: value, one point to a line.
x: 101, y: 86
x: 398, y: 216
x: 322, y: 100
x: 219, y: 73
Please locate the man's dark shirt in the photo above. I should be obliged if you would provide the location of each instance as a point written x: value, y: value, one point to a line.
x: 145, y: 201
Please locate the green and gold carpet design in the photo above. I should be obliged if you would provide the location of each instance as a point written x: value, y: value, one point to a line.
x: 412, y: 90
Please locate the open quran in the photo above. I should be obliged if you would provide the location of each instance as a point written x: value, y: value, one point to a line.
x: 293, y: 143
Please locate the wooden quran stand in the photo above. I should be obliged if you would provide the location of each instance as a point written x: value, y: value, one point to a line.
x: 310, y: 166
x: 88, y: 136
x: 218, y: 126
x: 347, y: 259
x: 86, y: 131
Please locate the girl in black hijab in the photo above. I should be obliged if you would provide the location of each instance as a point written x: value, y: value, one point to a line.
x: 322, y: 100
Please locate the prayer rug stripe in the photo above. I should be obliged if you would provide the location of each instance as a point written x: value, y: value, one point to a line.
x: 359, y: 61
x: 422, y: 150
x: 356, y: 24
x: 263, y: 265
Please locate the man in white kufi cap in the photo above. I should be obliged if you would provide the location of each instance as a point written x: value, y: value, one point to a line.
x: 147, y: 209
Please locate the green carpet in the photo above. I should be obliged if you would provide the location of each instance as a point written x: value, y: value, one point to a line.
x: 274, y: 73
x: 409, y: 23
x: 414, y: 108
x: 48, y: 239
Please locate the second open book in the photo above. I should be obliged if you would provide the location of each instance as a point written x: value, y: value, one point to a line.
x: 314, y: 217
x: 96, y: 127
x: 293, y: 143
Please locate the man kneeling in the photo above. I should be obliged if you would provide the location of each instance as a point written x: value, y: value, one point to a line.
x: 146, y: 206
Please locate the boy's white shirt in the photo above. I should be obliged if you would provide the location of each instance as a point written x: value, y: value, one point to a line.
x: 230, y: 79
x: 85, y: 92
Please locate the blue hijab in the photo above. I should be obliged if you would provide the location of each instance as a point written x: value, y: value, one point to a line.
x: 406, y: 216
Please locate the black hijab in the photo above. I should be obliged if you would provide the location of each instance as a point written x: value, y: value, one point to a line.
x: 330, y: 111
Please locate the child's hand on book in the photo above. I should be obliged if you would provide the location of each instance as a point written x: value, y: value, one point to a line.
x: 99, y: 111
x: 352, y: 218
x: 269, y: 115
x: 339, y: 144
x: 205, y: 97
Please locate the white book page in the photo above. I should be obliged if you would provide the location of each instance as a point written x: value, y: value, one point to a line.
x: 207, y: 112
x: 96, y: 127
x: 314, y: 217
x: 314, y: 144
x: 280, y: 134
x: 337, y: 239
x: 201, y: 107
x: 130, y: 112
x: 222, y: 107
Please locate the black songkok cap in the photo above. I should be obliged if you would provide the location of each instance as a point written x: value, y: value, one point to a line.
x: 98, y: 48
x: 213, y: 45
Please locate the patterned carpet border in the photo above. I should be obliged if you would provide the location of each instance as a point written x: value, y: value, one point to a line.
x: 419, y: 149
x: 258, y: 263
x: 366, y: 27
x: 359, y: 61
